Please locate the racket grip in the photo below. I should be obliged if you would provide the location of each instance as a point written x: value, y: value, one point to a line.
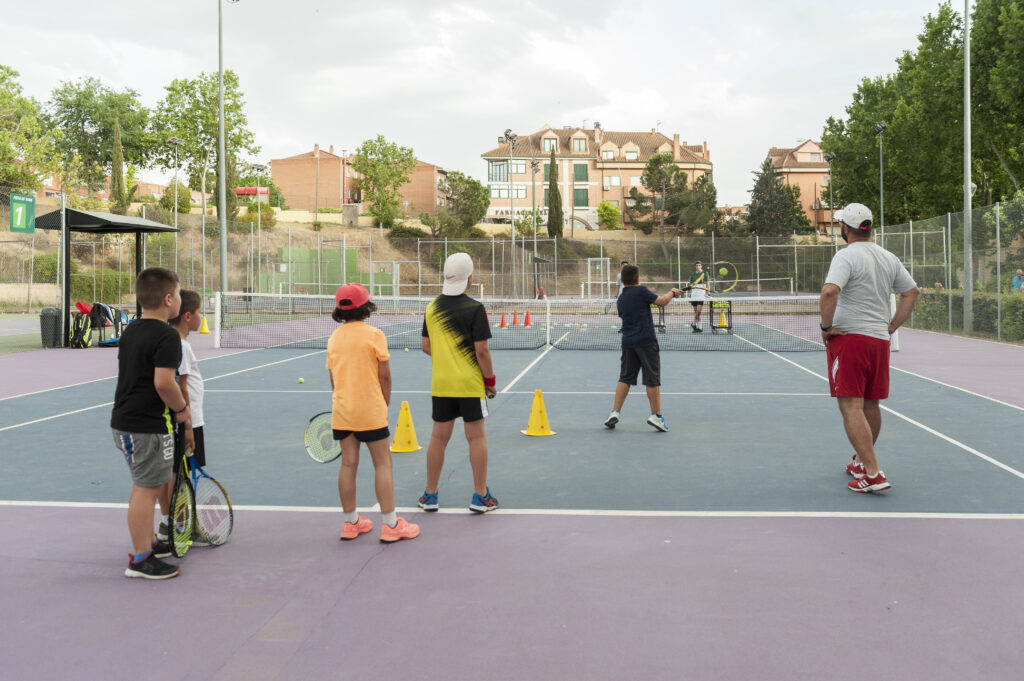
x: 491, y: 392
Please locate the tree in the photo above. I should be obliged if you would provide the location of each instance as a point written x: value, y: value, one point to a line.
x: 608, y: 216
x: 467, y: 200
x: 184, y: 197
x: 86, y: 112
x: 775, y: 207
x: 556, y: 220
x: 524, y: 224
x: 384, y: 167
x: 189, y: 111
x: 274, y: 197
x: 653, y: 209
x: 27, y: 146
x: 120, y: 196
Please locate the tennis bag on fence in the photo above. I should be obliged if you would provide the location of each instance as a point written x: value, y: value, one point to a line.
x: 81, y: 330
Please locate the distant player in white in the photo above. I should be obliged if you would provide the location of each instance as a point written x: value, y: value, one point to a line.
x: 698, y: 292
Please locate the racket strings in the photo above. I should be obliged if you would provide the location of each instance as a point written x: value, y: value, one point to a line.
x: 214, y: 516
x: 320, y: 442
x: 182, y: 518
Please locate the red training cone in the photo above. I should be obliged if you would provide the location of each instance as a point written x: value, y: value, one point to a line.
x: 526, y: 321
x: 503, y: 324
x: 515, y: 317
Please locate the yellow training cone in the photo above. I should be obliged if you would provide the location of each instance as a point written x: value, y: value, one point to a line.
x: 722, y: 323
x: 204, y: 328
x: 538, y: 424
x: 405, y: 433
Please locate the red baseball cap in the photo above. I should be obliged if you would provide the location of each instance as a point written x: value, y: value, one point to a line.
x: 351, y: 296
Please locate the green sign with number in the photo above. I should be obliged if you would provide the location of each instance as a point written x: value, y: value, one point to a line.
x: 23, y: 213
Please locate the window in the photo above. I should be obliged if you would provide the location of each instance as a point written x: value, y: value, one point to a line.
x: 579, y: 172
x: 659, y: 201
x: 497, y: 171
x: 613, y: 202
x: 612, y: 181
x: 580, y: 199
x: 550, y: 144
x: 518, y: 167
x: 547, y: 195
x: 579, y: 144
x: 501, y: 192
x: 815, y: 158
x: 632, y: 155
x: 636, y: 181
x: 547, y: 172
x: 608, y: 155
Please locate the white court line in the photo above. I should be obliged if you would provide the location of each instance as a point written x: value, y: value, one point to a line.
x: 625, y: 513
x: 312, y: 392
x: 954, y: 387
x: 532, y: 364
x: 549, y: 392
x: 932, y: 431
x: 57, y: 416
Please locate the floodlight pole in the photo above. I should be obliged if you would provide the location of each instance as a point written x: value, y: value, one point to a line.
x: 879, y: 129
x: 510, y: 138
x: 176, y: 142
x: 829, y: 157
x: 222, y: 204
x: 968, y: 188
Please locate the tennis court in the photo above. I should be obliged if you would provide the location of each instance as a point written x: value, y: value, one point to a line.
x: 727, y: 548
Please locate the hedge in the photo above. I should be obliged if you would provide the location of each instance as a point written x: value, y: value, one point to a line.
x: 932, y: 313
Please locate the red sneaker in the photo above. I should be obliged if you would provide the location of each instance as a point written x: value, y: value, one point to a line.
x: 401, y: 530
x: 855, y: 468
x: 351, y: 531
x: 869, y: 484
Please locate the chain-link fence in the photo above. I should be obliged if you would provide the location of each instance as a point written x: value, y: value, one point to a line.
x: 269, y: 258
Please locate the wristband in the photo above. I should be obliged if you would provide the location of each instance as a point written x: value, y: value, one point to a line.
x: 182, y: 410
x: 825, y: 328
x: 489, y: 382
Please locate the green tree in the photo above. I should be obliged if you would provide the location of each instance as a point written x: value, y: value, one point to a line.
x: 653, y: 209
x: 274, y: 197
x: 189, y: 111
x: 467, y: 201
x: 384, y: 167
x: 184, y: 197
x: 693, y: 208
x: 86, y: 112
x: 556, y: 220
x: 608, y: 216
x: 27, y: 146
x: 526, y: 222
x: 775, y: 207
x: 121, y: 196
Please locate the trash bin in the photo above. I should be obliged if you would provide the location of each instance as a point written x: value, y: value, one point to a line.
x: 49, y: 327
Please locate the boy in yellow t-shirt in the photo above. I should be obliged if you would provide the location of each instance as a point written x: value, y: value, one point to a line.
x: 357, y: 360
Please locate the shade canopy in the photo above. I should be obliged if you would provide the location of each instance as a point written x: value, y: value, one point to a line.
x: 101, y: 223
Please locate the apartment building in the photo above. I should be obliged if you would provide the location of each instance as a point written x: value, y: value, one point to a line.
x: 424, y: 190
x: 804, y: 166
x: 594, y: 165
x: 315, y: 179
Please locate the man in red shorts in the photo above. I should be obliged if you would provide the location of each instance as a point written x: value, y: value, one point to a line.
x: 855, y: 327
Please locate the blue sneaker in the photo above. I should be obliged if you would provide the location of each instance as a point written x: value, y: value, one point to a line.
x: 428, y: 502
x: 484, y: 503
x: 658, y: 421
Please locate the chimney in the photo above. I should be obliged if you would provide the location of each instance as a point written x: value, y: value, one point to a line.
x: 316, y: 151
x: 675, y: 147
x: 707, y: 154
x: 331, y: 150
x: 654, y: 131
x: 598, y: 133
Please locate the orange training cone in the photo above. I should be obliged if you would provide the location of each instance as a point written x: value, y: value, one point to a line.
x: 503, y: 324
x: 204, y: 328
x: 515, y: 317
x: 538, y: 425
x: 526, y: 321
x: 405, y: 433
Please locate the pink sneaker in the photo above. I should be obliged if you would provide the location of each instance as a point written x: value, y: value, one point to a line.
x: 869, y: 484
x: 401, y: 530
x: 351, y: 531
x: 856, y: 468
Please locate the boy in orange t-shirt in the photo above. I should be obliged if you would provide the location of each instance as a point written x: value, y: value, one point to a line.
x: 357, y: 361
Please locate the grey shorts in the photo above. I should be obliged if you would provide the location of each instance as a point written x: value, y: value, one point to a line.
x: 149, y: 455
x: 647, y: 358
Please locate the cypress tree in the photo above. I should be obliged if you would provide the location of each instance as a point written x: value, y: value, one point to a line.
x: 117, y: 193
x: 555, y: 217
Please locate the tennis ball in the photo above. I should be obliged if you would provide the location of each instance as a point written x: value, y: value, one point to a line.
x: 302, y: 380
x: 723, y: 271
x: 407, y: 349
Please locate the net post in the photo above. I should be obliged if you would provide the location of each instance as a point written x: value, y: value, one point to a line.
x: 216, y: 319
x: 547, y: 319
x: 894, y: 342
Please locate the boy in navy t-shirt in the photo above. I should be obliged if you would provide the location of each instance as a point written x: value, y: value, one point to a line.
x: 639, y: 345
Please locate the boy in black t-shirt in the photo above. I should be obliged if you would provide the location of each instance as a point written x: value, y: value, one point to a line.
x: 147, y: 402
x: 639, y: 345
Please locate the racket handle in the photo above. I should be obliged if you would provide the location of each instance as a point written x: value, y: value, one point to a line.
x: 491, y: 392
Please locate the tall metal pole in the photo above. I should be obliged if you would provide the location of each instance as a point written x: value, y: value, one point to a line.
x: 222, y: 204
x: 176, y: 142
x: 968, y: 189
x: 510, y: 138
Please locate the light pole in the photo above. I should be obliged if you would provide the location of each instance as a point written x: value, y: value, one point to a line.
x: 222, y: 204
x: 969, y: 187
x: 829, y: 157
x: 879, y: 129
x: 177, y: 143
x: 259, y: 169
x: 510, y: 137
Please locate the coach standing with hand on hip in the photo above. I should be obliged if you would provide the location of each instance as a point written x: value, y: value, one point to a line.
x: 856, y: 327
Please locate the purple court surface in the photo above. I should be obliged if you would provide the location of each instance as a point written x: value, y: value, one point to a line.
x: 726, y: 549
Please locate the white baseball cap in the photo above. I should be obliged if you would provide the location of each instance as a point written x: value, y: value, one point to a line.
x: 457, y: 269
x: 856, y: 215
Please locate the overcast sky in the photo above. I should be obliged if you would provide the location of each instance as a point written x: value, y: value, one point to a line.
x: 447, y: 78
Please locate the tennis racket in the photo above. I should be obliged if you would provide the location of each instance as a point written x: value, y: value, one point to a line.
x: 320, y: 442
x: 183, y: 502
x: 214, y: 516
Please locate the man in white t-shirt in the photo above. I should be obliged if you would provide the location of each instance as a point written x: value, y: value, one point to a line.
x: 856, y: 323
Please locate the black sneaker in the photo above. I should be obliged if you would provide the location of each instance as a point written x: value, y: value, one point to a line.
x: 163, y: 533
x: 151, y: 567
x: 162, y: 549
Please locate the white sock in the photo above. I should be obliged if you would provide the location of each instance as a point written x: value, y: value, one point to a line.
x: 389, y: 519
x: 166, y: 520
x: 352, y: 517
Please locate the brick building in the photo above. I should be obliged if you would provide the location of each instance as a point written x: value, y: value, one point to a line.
x: 423, y: 191
x: 594, y: 165
x: 315, y: 179
x: 805, y: 167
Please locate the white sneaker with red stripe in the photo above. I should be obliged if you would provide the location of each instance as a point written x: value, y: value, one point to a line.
x: 867, y: 483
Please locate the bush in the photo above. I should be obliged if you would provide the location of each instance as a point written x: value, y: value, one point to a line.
x: 403, y: 231
x: 932, y: 313
x: 264, y: 215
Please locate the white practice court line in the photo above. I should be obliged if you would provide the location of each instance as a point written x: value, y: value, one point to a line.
x: 955, y: 387
x: 624, y: 513
x: 532, y: 364
x: 931, y: 431
x: 546, y: 392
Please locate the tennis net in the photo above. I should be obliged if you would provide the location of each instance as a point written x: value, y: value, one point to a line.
x: 776, y: 323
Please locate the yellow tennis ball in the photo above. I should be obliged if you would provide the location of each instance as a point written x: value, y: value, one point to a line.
x: 407, y: 349
x: 302, y: 380
x: 723, y: 271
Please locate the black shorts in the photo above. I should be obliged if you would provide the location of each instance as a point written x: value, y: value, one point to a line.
x: 198, y: 457
x: 451, y: 408
x: 647, y: 358
x: 364, y: 435
x: 696, y: 303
